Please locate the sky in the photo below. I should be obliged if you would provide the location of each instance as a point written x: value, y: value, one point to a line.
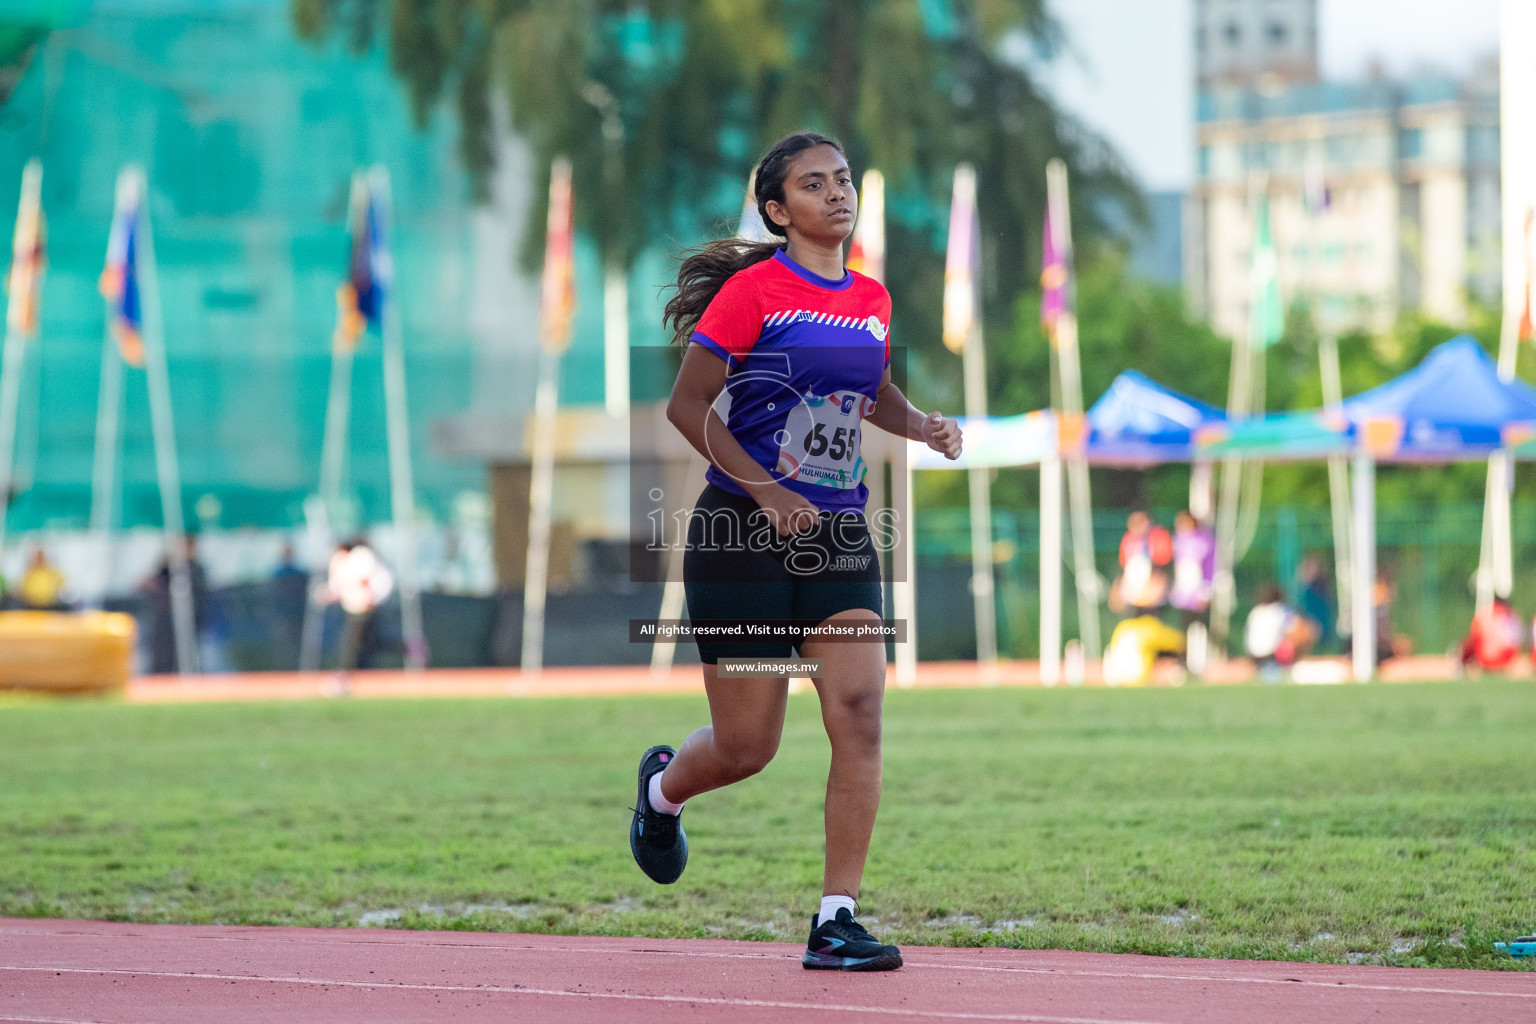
x: 1129, y: 68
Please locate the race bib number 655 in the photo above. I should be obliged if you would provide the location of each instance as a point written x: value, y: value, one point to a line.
x: 820, y: 440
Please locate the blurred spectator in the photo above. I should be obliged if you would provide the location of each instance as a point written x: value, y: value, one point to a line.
x: 1194, y: 567
x: 1275, y: 634
x: 359, y: 582
x: 1143, y: 586
x: 1494, y: 639
x: 290, y: 595
x: 1134, y: 648
x: 1388, y: 643
x: 1194, y: 570
x: 1316, y: 600
x: 161, y: 633
x: 42, y: 585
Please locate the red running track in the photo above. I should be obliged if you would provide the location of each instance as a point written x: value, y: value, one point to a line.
x: 70, y: 972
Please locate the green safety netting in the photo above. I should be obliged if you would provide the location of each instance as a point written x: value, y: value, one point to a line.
x: 249, y: 138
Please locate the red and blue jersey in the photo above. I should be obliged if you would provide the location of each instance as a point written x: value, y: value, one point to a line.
x: 806, y: 355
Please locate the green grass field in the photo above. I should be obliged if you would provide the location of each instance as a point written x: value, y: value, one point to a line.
x: 1390, y: 824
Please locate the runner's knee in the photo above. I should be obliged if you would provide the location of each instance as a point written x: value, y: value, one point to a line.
x: 853, y: 719
x: 742, y: 761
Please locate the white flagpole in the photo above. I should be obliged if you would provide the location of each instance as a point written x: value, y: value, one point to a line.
x: 869, y: 241
x: 616, y: 340
x: 1364, y: 638
x: 963, y: 330
x: 338, y: 406
x: 401, y: 487
x: 318, y: 527
x: 1338, y: 489
x: 1084, y: 564
x: 1240, y: 404
x: 664, y: 649
x: 10, y: 397
x: 541, y: 489
x: 1517, y: 172
x: 982, y: 583
x: 554, y: 335
x: 904, y: 591
x: 324, y: 518
x: 1314, y: 197
x: 157, y: 377
x: 14, y: 358
x: 1050, y: 569
x: 104, y: 463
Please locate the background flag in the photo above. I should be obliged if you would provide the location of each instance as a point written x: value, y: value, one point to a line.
x: 1055, y: 276
x: 1526, y: 331
x: 360, y: 299
x: 866, y: 253
x: 962, y: 261
x: 120, y: 278
x: 27, y: 255
x: 557, y: 293
x: 1268, y: 315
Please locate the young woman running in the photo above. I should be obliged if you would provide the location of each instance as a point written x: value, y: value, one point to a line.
x: 787, y: 354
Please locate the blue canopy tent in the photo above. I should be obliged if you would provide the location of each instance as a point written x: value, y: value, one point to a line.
x: 1139, y: 422
x: 1452, y: 407
x: 1136, y: 422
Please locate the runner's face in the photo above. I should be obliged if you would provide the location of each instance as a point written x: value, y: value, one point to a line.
x: 820, y: 203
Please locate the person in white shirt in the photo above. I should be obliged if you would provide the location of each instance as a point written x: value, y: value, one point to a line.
x: 1275, y: 635
x: 360, y: 583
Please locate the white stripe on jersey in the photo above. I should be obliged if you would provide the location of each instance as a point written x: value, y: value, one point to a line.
x: 790, y: 316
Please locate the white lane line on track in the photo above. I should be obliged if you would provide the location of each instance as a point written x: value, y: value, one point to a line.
x: 1064, y: 971
x: 1076, y: 972
x: 1025, y: 1018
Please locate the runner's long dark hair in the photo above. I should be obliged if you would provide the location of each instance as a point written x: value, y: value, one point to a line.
x: 707, y: 268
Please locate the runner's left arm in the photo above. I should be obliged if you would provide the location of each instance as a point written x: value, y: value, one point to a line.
x: 894, y: 413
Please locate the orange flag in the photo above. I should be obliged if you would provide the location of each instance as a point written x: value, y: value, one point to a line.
x: 557, y: 292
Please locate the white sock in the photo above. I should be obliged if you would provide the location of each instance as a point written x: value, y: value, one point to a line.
x: 830, y: 905
x: 659, y: 802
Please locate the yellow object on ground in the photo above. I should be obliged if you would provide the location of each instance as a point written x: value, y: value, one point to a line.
x: 1134, y: 648
x: 65, y: 652
x: 41, y: 587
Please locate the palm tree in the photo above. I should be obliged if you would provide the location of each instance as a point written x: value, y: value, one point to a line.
x: 663, y: 105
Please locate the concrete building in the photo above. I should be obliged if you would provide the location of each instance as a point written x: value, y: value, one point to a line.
x: 1384, y: 195
x: 1249, y: 43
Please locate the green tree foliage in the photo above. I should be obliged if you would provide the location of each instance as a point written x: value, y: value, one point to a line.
x: 1124, y: 323
x: 665, y: 105
x: 18, y: 42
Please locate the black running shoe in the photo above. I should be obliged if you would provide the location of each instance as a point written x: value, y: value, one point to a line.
x: 842, y: 944
x: 657, y: 839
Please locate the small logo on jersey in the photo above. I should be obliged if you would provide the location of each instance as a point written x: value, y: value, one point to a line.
x: 878, y: 329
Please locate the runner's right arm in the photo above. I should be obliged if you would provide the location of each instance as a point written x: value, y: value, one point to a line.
x: 692, y: 411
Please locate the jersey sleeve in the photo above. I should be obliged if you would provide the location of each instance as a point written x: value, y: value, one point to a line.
x: 732, y: 322
x: 887, y: 305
